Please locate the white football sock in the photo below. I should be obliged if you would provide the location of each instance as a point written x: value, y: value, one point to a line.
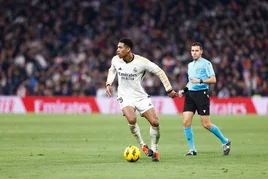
x: 135, y: 130
x: 155, y: 135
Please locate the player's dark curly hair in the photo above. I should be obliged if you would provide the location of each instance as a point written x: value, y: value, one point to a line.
x: 127, y: 42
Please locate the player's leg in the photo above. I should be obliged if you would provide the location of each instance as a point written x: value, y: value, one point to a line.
x: 153, y: 119
x: 129, y: 113
x: 188, y: 113
x: 146, y: 109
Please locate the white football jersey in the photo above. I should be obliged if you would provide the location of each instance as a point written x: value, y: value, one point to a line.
x: 130, y: 76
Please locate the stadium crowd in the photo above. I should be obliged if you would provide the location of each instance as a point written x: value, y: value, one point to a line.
x: 64, y: 47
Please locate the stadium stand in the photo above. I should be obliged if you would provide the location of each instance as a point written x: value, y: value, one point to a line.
x: 64, y: 47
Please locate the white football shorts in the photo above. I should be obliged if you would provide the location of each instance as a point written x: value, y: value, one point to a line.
x: 141, y: 105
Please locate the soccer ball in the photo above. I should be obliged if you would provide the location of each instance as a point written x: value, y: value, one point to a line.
x: 132, y: 154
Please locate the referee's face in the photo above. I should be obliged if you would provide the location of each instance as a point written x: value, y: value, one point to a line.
x: 196, y: 52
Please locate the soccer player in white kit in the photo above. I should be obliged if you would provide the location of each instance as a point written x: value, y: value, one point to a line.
x: 130, y: 69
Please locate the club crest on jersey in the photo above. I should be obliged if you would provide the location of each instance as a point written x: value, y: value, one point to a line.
x: 120, y: 99
x: 135, y: 69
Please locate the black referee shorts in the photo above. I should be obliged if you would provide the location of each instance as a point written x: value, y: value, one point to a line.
x: 197, y: 101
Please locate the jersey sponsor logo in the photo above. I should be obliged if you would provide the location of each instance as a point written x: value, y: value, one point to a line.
x: 127, y: 76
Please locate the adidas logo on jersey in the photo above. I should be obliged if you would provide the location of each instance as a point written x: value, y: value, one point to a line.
x: 120, y: 68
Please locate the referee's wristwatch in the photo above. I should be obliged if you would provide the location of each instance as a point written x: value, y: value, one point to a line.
x: 201, y: 81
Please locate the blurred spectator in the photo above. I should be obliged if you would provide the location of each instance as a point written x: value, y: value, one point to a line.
x: 21, y: 91
x: 64, y: 47
x: 224, y: 93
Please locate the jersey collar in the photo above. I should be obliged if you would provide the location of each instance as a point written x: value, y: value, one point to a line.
x: 199, y: 59
x: 130, y: 60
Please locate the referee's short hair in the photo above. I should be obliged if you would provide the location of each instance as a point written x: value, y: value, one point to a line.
x: 197, y: 44
x: 127, y: 42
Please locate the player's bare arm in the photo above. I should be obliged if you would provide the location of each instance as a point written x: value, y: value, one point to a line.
x: 109, y: 90
x: 173, y: 94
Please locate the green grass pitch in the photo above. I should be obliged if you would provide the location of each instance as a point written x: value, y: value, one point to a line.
x: 91, y: 146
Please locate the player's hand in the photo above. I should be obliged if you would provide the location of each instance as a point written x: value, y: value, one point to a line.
x: 181, y: 93
x: 109, y: 90
x: 172, y: 94
x: 195, y: 80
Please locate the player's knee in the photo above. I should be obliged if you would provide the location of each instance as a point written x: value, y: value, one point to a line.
x: 155, y: 122
x: 131, y: 119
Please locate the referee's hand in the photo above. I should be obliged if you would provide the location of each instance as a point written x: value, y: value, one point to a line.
x: 195, y: 80
x: 181, y: 93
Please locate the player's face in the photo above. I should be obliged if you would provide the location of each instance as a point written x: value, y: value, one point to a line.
x: 196, y: 52
x: 122, y: 50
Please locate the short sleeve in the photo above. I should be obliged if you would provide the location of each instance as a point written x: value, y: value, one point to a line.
x: 209, y: 69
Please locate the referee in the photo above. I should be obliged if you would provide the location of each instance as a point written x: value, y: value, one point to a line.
x: 200, y: 75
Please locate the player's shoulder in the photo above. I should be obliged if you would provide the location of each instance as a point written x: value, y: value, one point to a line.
x: 141, y: 59
x: 115, y: 58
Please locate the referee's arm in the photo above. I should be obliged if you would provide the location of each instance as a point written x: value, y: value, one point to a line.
x: 181, y: 92
x: 210, y: 80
